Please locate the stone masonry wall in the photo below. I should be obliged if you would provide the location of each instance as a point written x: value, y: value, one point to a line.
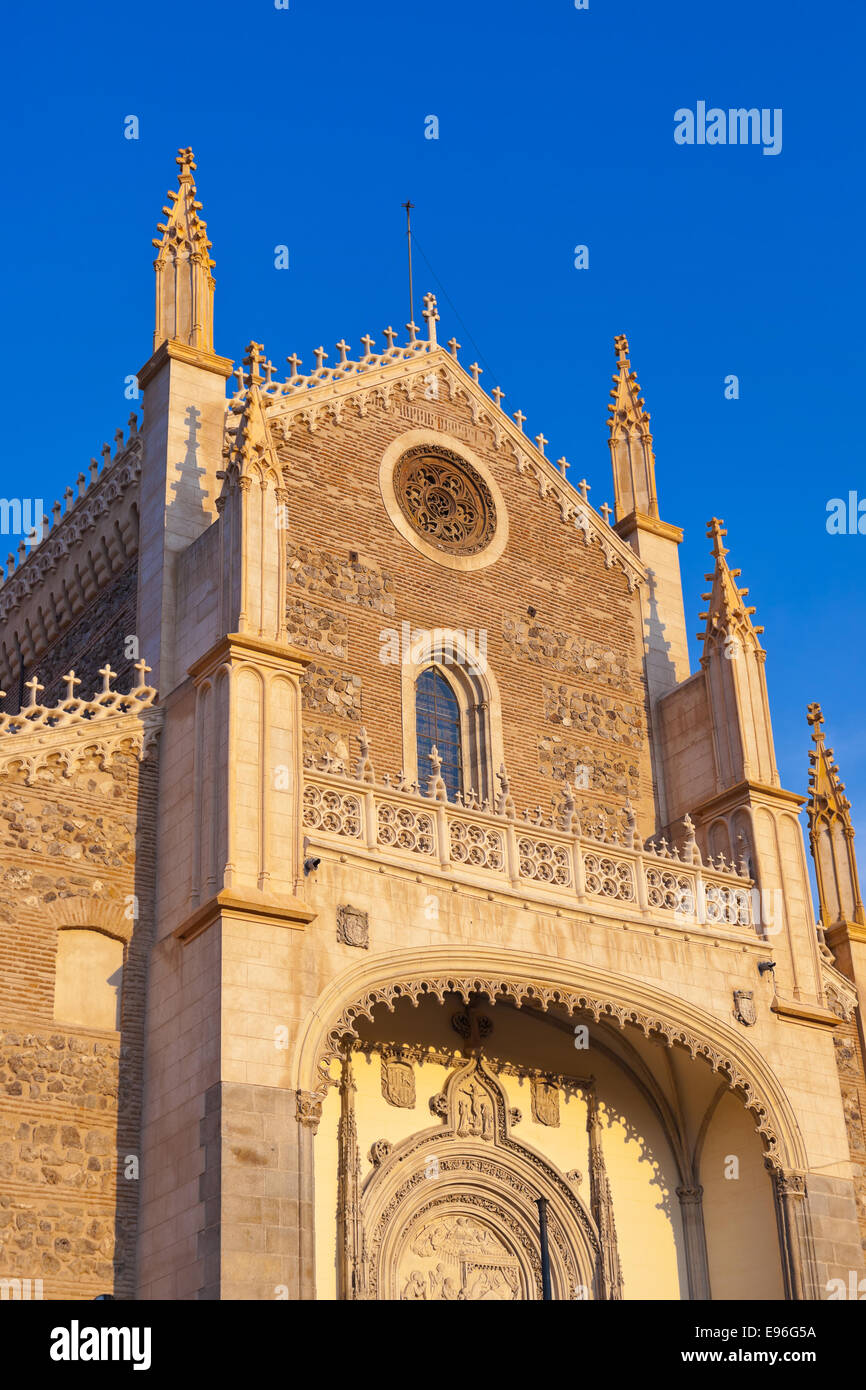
x: 77, y: 850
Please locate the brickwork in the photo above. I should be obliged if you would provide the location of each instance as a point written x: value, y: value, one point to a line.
x: 78, y: 851
x: 587, y: 625
x: 97, y: 635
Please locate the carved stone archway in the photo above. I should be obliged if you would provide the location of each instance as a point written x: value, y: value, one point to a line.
x: 451, y: 1214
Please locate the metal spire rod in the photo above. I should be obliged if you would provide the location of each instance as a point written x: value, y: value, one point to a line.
x: 409, y: 206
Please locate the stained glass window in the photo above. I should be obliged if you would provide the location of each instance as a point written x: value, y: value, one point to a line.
x: 437, y: 721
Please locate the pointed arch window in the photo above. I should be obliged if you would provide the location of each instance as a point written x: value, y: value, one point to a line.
x: 437, y: 722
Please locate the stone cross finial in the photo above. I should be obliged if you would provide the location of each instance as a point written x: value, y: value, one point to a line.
x: 431, y: 314
x: 94, y: 473
x: 142, y: 668
x: 107, y: 676
x: 34, y: 687
x: 454, y: 347
x: 476, y: 371
x: 342, y: 347
x: 57, y: 509
x: 412, y: 328
x: 541, y: 441
x: 186, y: 161
x: 519, y: 417
x: 69, y: 496
x: 620, y: 345
x: 715, y: 531
x: 390, y: 335
x: 584, y: 488
x: 815, y: 716
x: 71, y: 682
x: 497, y: 396
x: 368, y: 344
x: 606, y: 511
x: 294, y: 362
x: 252, y: 358
x: 562, y: 464
x: 82, y: 484
x: 320, y: 355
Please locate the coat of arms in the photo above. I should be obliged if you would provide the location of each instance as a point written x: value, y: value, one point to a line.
x: 744, y: 1007
x: 353, y: 927
x: 398, y: 1083
x: 545, y: 1102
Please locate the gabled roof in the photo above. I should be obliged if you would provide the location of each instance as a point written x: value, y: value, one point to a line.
x: 304, y: 401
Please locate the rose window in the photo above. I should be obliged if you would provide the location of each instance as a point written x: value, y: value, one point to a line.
x: 445, y: 500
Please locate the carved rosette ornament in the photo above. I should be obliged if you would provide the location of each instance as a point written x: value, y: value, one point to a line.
x: 445, y: 500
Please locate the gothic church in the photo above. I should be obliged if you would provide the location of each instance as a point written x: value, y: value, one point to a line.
x: 384, y: 913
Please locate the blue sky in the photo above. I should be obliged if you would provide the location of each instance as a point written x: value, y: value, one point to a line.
x: 555, y: 129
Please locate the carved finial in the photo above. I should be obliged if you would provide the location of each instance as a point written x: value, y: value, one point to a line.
x: 412, y: 328
x: 294, y: 362
x: 186, y: 161
x: 815, y: 717
x: 476, y: 371
x: 364, y: 771
x: 71, y: 682
x: 562, y: 465
x: 132, y: 425
x: 107, y: 676
x: 505, y: 801
x: 519, y: 417
x: 253, y: 356
x: 320, y: 355
x: 454, y: 347
x: 568, y: 809
x: 620, y: 347
x: 390, y: 335
x: 497, y: 396
x: 541, y: 441
x: 368, y: 344
x: 584, y: 488
x: 342, y: 347
x: 436, y: 788
x: 715, y: 531
x: 431, y: 314
x: 632, y: 839
x: 142, y: 668
x: 606, y: 511
x: 34, y: 687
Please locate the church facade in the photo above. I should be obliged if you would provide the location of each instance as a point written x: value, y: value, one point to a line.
x: 387, y: 910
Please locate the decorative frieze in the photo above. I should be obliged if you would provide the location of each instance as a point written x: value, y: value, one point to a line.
x: 325, y: 748
x: 320, y: 572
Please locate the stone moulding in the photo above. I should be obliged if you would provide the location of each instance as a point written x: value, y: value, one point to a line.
x: 533, y: 982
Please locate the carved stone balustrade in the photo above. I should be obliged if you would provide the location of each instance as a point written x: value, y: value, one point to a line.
x: 405, y: 827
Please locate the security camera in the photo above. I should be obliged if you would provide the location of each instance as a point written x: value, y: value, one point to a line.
x: 310, y: 864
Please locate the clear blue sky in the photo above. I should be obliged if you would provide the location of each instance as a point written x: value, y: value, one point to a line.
x: 555, y: 129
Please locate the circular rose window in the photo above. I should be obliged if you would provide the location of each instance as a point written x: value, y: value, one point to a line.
x: 445, y: 500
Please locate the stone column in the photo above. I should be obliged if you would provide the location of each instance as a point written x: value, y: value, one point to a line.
x: 309, y: 1115
x: 694, y: 1235
x: 795, y: 1234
